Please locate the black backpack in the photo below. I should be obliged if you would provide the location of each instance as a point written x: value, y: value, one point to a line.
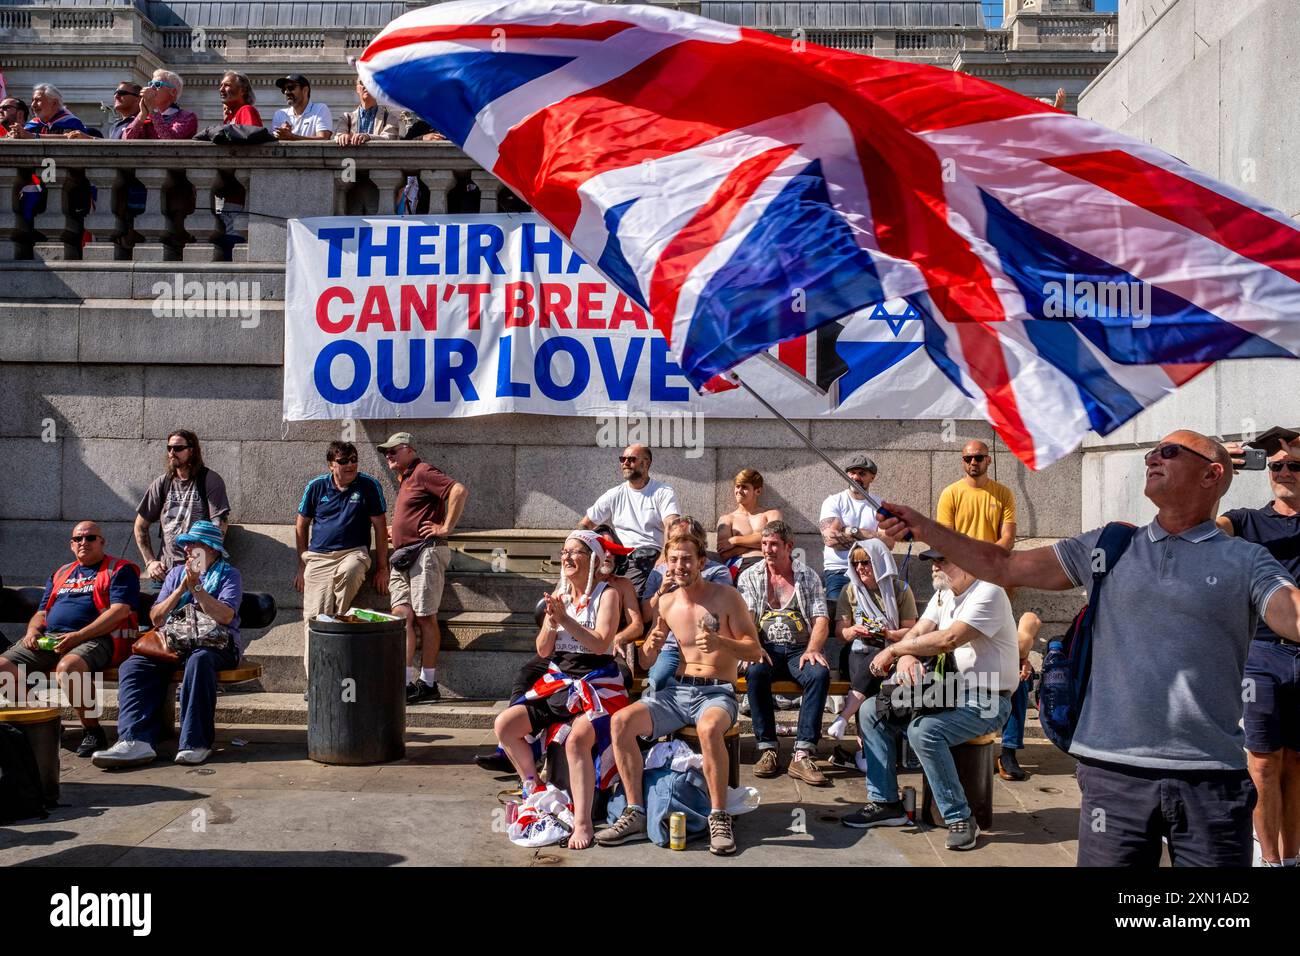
x: 21, y: 794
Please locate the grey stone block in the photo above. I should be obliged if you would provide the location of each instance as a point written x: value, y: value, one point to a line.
x: 215, y: 402
x: 842, y: 436
x: 254, y: 281
x: 74, y: 401
x: 478, y: 675
x: 111, y: 332
x: 1243, y: 406
x: 33, y: 282
x: 1048, y: 502
x: 30, y: 551
x: 1192, y: 406
x: 265, y: 557
x: 31, y: 489
x: 278, y: 472
x: 38, y: 332
x: 794, y: 480
x: 105, y: 478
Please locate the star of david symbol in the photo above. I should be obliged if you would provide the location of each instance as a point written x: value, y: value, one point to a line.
x: 895, y: 322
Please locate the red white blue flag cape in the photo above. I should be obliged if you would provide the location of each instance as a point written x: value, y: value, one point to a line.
x: 747, y: 188
x: 599, y: 694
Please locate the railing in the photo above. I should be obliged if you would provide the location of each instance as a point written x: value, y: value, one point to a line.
x: 15, y: 19
x: 998, y: 41
x: 83, y: 20
x: 855, y: 41
x: 930, y: 40
x: 286, y: 40
x: 104, y: 200
x: 1050, y: 26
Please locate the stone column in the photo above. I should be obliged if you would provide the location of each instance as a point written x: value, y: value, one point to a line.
x: 202, y: 224
x: 102, y: 222
x: 387, y: 182
x: 438, y: 181
x: 151, y: 225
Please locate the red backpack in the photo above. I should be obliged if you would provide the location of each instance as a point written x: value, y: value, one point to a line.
x: 125, y: 636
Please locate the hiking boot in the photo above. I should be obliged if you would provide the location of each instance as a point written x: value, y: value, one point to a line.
x: 803, y: 767
x: 877, y: 815
x: 721, y: 840
x: 95, y: 739
x: 1009, y: 767
x: 422, y: 693
x: 629, y: 826
x: 124, y: 753
x: 843, y: 760
x: 962, y: 834
x: 769, y: 764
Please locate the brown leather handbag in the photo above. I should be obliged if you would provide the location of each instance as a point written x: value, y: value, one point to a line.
x: 153, y: 645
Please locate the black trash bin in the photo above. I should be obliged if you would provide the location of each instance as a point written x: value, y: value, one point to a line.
x: 356, y: 710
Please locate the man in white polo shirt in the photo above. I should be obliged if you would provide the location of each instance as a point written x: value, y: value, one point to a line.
x: 301, y: 118
x: 640, y: 509
x: 847, y: 518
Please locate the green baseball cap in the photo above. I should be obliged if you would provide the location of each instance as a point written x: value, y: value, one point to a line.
x: 398, y: 438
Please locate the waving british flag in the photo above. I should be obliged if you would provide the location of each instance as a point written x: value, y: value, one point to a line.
x: 747, y: 188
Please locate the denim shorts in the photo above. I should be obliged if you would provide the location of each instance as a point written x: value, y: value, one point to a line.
x: 679, y: 705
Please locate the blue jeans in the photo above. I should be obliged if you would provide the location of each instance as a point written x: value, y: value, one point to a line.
x: 834, y: 582
x: 1013, y: 736
x: 931, y: 737
x: 142, y: 682
x: 815, y: 680
x: 664, y: 667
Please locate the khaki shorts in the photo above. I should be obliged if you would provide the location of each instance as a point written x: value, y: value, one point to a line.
x: 96, y: 652
x: 421, y: 584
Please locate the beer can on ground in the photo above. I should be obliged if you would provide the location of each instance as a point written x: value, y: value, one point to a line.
x: 909, y: 803
x: 677, y: 831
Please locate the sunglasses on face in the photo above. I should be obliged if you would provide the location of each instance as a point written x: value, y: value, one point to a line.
x: 346, y: 461
x: 390, y: 452
x: 1292, y: 466
x: 118, y: 94
x: 159, y: 85
x: 861, y: 564
x: 78, y: 538
x: 290, y: 87
x: 969, y: 459
x: 1172, y: 450
x: 627, y: 459
x: 177, y: 449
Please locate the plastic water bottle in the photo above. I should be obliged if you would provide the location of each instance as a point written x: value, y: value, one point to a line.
x: 1054, y: 692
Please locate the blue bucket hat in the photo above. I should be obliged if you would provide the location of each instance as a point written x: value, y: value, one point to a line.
x: 204, y: 532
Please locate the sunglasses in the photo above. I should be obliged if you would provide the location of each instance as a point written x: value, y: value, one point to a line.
x: 626, y: 459
x: 1172, y: 450
x: 118, y: 94
x: 78, y: 538
x: 972, y: 458
x: 346, y: 461
x: 177, y: 449
x: 1292, y: 466
x: 390, y: 452
x: 158, y: 85
x: 861, y: 564
x: 288, y: 87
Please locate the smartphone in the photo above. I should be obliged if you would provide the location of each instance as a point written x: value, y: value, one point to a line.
x: 201, y: 560
x: 1256, y: 459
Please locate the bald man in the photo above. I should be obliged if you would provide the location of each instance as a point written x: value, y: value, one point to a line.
x: 977, y: 506
x: 640, y: 510
x: 1159, y: 742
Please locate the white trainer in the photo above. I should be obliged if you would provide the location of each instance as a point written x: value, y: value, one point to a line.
x: 836, y: 730
x: 194, y: 757
x: 124, y: 753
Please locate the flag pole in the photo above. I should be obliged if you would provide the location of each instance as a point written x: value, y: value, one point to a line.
x: 853, y: 485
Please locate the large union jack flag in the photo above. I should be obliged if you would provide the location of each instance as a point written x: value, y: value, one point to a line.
x: 747, y: 188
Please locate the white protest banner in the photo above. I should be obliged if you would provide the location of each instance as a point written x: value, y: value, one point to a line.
x: 445, y: 316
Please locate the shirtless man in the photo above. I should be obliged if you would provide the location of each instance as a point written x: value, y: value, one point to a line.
x: 721, y: 633
x: 740, y: 531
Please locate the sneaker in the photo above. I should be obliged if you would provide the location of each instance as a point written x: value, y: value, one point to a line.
x: 1009, y: 767
x: 721, y: 840
x: 769, y: 764
x: 877, y: 815
x: 497, y: 762
x: 422, y: 693
x: 786, y: 702
x: 192, y: 758
x: 963, y: 834
x: 124, y: 753
x: 836, y: 730
x: 629, y: 826
x: 94, y: 740
x: 744, y: 705
x: 844, y: 760
x: 804, y: 768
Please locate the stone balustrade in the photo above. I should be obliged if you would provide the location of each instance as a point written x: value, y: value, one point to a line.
x: 100, y: 200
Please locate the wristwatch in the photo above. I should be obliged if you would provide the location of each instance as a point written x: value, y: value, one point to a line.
x: 853, y: 532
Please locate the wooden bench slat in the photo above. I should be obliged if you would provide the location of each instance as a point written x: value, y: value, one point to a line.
x: 28, y: 715
x: 237, y: 675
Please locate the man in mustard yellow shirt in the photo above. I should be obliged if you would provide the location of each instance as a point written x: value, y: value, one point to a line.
x: 979, y: 507
x: 976, y: 505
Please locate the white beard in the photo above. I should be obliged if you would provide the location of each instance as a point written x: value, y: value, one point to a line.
x: 941, y: 581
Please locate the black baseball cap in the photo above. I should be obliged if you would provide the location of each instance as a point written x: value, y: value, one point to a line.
x: 297, y: 78
x: 929, y: 554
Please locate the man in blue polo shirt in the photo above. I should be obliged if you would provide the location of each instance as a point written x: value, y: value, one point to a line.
x: 339, y: 508
x: 1272, y: 692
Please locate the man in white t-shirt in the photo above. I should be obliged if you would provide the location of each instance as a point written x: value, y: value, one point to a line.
x: 301, y: 119
x: 971, y: 622
x: 847, y: 518
x: 640, y: 509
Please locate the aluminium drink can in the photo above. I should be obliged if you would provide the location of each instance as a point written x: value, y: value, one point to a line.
x: 909, y: 803
x: 677, y: 831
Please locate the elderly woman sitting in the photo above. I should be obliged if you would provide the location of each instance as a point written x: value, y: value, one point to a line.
x: 582, y: 686
x: 216, y: 589
x: 877, y: 609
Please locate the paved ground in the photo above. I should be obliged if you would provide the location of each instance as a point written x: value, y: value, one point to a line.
x: 265, y: 803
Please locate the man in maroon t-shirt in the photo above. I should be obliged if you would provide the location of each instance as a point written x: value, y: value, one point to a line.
x: 429, y: 503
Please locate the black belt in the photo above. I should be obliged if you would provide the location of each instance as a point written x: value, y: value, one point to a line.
x: 703, y: 681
